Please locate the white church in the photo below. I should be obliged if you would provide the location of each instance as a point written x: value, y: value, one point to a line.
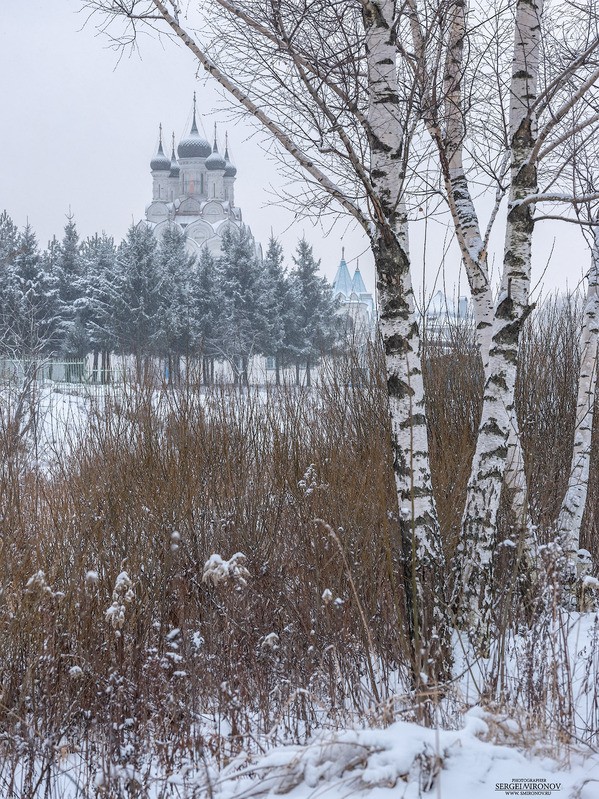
x: 194, y: 190
x: 354, y: 298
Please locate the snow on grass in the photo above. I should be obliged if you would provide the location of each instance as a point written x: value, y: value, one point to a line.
x: 409, y: 761
x: 403, y: 761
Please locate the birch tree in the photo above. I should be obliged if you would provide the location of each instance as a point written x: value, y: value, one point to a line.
x: 441, y: 78
x: 569, y: 523
x: 488, y: 466
x: 322, y: 80
x: 540, y: 122
x: 541, y: 116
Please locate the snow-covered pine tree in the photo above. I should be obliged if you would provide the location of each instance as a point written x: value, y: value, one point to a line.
x: 9, y: 239
x: 242, y: 323
x: 276, y: 305
x: 96, y: 307
x: 34, y: 308
x: 314, y: 324
x: 175, y: 267
x: 135, y: 296
x: 206, y: 309
x: 69, y: 279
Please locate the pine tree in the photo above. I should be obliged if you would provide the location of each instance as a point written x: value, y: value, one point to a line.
x: 241, y: 324
x: 33, y: 300
x: 206, y: 308
x: 315, y: 322
x: 175, y: 267
x: 96, y: 310
x: 69, y: 281
x: 9, y: 239
x: 135, y: 295
x: 275, y: 303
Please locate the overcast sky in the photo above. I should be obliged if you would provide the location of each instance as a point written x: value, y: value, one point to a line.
x: 79, y: 129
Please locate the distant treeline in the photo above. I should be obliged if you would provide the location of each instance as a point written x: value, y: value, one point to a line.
x: 148, y: 297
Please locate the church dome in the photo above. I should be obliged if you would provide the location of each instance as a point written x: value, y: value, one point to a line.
x: 175, y: 168
x: 160, y: 162
x: 230, y: 169
x: 193, y: 146
x: 215, y: 161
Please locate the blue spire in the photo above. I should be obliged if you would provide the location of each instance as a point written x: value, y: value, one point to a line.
x: 342, y: 284
x: 357, y: 284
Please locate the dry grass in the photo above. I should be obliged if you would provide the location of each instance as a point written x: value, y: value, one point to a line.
x: 161, y: 480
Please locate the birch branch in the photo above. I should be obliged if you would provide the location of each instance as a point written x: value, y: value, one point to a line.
x: 545, y: 97
x: 561, y: 113
x: 568, y: 135
x: 301, y: 59
x: 552, y: 198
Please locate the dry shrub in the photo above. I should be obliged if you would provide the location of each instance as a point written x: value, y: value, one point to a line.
x: 454, y: 386
x: 546, y: 404
x: 163, y: 479
x: 107, y: 623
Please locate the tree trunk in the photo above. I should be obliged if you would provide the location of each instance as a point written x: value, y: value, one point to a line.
x: 277, y: 369
x: 449, y: 135
x: 479, y: 523
x: 569, y: 522
x: 401, y: 340
x: 95, y: 367
x: 308, y: 375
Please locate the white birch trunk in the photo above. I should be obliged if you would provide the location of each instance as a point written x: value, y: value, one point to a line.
x: 474, y: 253
x: 401, y: 339
x: 450, y: 142
x: 489, y: 463
x: 573, y: 506
x: 463, y: 211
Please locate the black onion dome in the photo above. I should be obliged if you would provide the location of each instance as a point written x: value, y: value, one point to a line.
x: 215, y: 161
x: 194, y: 146
x: 160, y: 162
x: 230, y: 169
x: 175, y: 168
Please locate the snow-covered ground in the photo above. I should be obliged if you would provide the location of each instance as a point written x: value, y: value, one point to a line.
x: 491, y: 754
x: 404, y: 761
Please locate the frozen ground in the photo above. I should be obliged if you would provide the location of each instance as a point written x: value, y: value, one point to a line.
x: 490, y: 755
x: 402, y: 761
x: 407, y: 761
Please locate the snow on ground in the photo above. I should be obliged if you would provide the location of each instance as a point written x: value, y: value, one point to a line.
x: 62, y: 414
x: 409, y: 761
x: 403, y: 761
